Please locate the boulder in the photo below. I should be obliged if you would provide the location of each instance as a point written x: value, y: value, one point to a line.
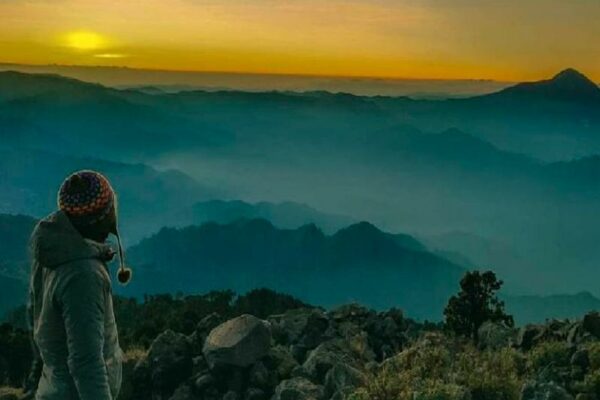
x: 239, y: 342
x: 581, y: 359
x: 386, y: 333
x: 591, y: 323
x: 168, y: 364
x: 544, y: 391
x: 184, y: 392
x: 326, y: 355
x: 303, y: 327
x: 281, y: 361
x: 527, y: 336
x: 203, y: 382
x: 354, y: 312
x: 298, y: 389
x: 342, y: 378
x: 231, y: 395
x: 495, y: 335
x: 261, y: 377
x: 255, y: 394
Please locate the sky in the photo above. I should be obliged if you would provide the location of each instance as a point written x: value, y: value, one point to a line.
x: 506, y: 40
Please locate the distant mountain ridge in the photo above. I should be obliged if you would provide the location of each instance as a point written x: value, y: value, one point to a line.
x: 242, y: 243
x: 361, y: 262
x: 567, y: 85
x: 284, y: 214
x: 30, y: 180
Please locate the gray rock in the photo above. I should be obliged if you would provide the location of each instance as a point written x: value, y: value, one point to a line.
x: 581, y: 359
x: 591, y: 323
x: 298, y: 389
x: 169, y: 362
x: 544, y: 391
x: 330, y: 353
x: 303, y: 327
x: 231, y: 395
x: 238, y: 342
x: 261, y: 377
x: 281, y: 361
x: 341, y: 378
x: 495, y: 335
x: 204, y: 381
x: 184, y: 392
x: 527, y: 336
x: 255, y: 394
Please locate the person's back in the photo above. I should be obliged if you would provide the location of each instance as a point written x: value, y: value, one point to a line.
x: 74, y: 325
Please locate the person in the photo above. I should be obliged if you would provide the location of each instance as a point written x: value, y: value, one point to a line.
x: 74, y: 328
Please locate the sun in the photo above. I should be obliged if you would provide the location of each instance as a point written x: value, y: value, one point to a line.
x: 85, y: 40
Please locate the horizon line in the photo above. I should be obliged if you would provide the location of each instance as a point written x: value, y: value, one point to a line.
x: 279, y: 74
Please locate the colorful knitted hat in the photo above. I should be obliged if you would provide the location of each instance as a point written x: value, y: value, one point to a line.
x: 87, y: 197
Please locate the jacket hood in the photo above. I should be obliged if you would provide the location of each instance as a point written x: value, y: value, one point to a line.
x: 55, y: 242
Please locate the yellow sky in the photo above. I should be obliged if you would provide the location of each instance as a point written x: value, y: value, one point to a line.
x: 496, y: 39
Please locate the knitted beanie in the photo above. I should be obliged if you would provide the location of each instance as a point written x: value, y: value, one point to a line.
x: 87, y: 198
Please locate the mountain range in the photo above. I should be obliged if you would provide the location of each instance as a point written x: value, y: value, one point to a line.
x: 428, y: 168
x: 358, y: 263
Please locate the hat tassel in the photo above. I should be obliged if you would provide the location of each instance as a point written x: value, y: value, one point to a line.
x: 124, y: 274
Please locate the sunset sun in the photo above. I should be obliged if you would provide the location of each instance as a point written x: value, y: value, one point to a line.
x: 85, y: 40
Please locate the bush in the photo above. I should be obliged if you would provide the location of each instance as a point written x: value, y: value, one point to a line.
x: 15, y: 355
x: 593, y: 349
x: 553, y: 353
x: 591, y: 383
x: 437, y: 368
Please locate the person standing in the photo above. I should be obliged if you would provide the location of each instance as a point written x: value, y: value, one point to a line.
x: 74, y: 327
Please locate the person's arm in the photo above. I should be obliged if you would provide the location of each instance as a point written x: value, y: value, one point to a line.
x: 83, y: 307
x: 35, y: 371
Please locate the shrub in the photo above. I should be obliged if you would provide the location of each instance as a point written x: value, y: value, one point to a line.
x: 591, y: 383
x: 437, y: 368
x: 552, y: 353
x: 593, y: 349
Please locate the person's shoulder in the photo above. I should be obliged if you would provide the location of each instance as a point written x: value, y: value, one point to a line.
x: 87, y: 272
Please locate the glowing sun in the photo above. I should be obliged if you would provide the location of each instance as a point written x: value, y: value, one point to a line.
x: 85, y: 40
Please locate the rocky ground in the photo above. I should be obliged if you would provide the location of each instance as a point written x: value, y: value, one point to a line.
x: 355, y: 353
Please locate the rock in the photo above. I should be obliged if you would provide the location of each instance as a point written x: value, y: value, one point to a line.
x: 184, y: 392
x: 591, y: 323
x: 169, y: 362
x: 581, y: 359
x: 238, y: 342
x: 355, y: 313
x: 261, y: 377
x: 231, y: 395
x: 208, y: 323
x: 281, y: 361
x: 298, y: 389
x: 495, y: 335
x: 527, y: 335
x: 255, y: 394
x: 303, y: 327
x: 341, y: 378
x: 328, y: 354
x: 203, y: 382
x: 544, y: 391
x: 386, y: 333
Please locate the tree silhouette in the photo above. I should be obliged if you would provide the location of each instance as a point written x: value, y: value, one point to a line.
x: 475, y: 304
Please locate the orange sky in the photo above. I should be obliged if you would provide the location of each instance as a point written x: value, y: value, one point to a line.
x: 500, y: 39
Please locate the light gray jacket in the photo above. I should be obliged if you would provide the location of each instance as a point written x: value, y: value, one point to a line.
x: 74, y: 325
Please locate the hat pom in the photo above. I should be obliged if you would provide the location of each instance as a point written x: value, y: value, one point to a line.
x: 124, y: 275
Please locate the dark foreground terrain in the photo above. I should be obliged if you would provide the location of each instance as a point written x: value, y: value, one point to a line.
x: 265, y: 345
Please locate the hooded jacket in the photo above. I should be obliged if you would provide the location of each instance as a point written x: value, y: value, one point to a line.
x: 74, y: 326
